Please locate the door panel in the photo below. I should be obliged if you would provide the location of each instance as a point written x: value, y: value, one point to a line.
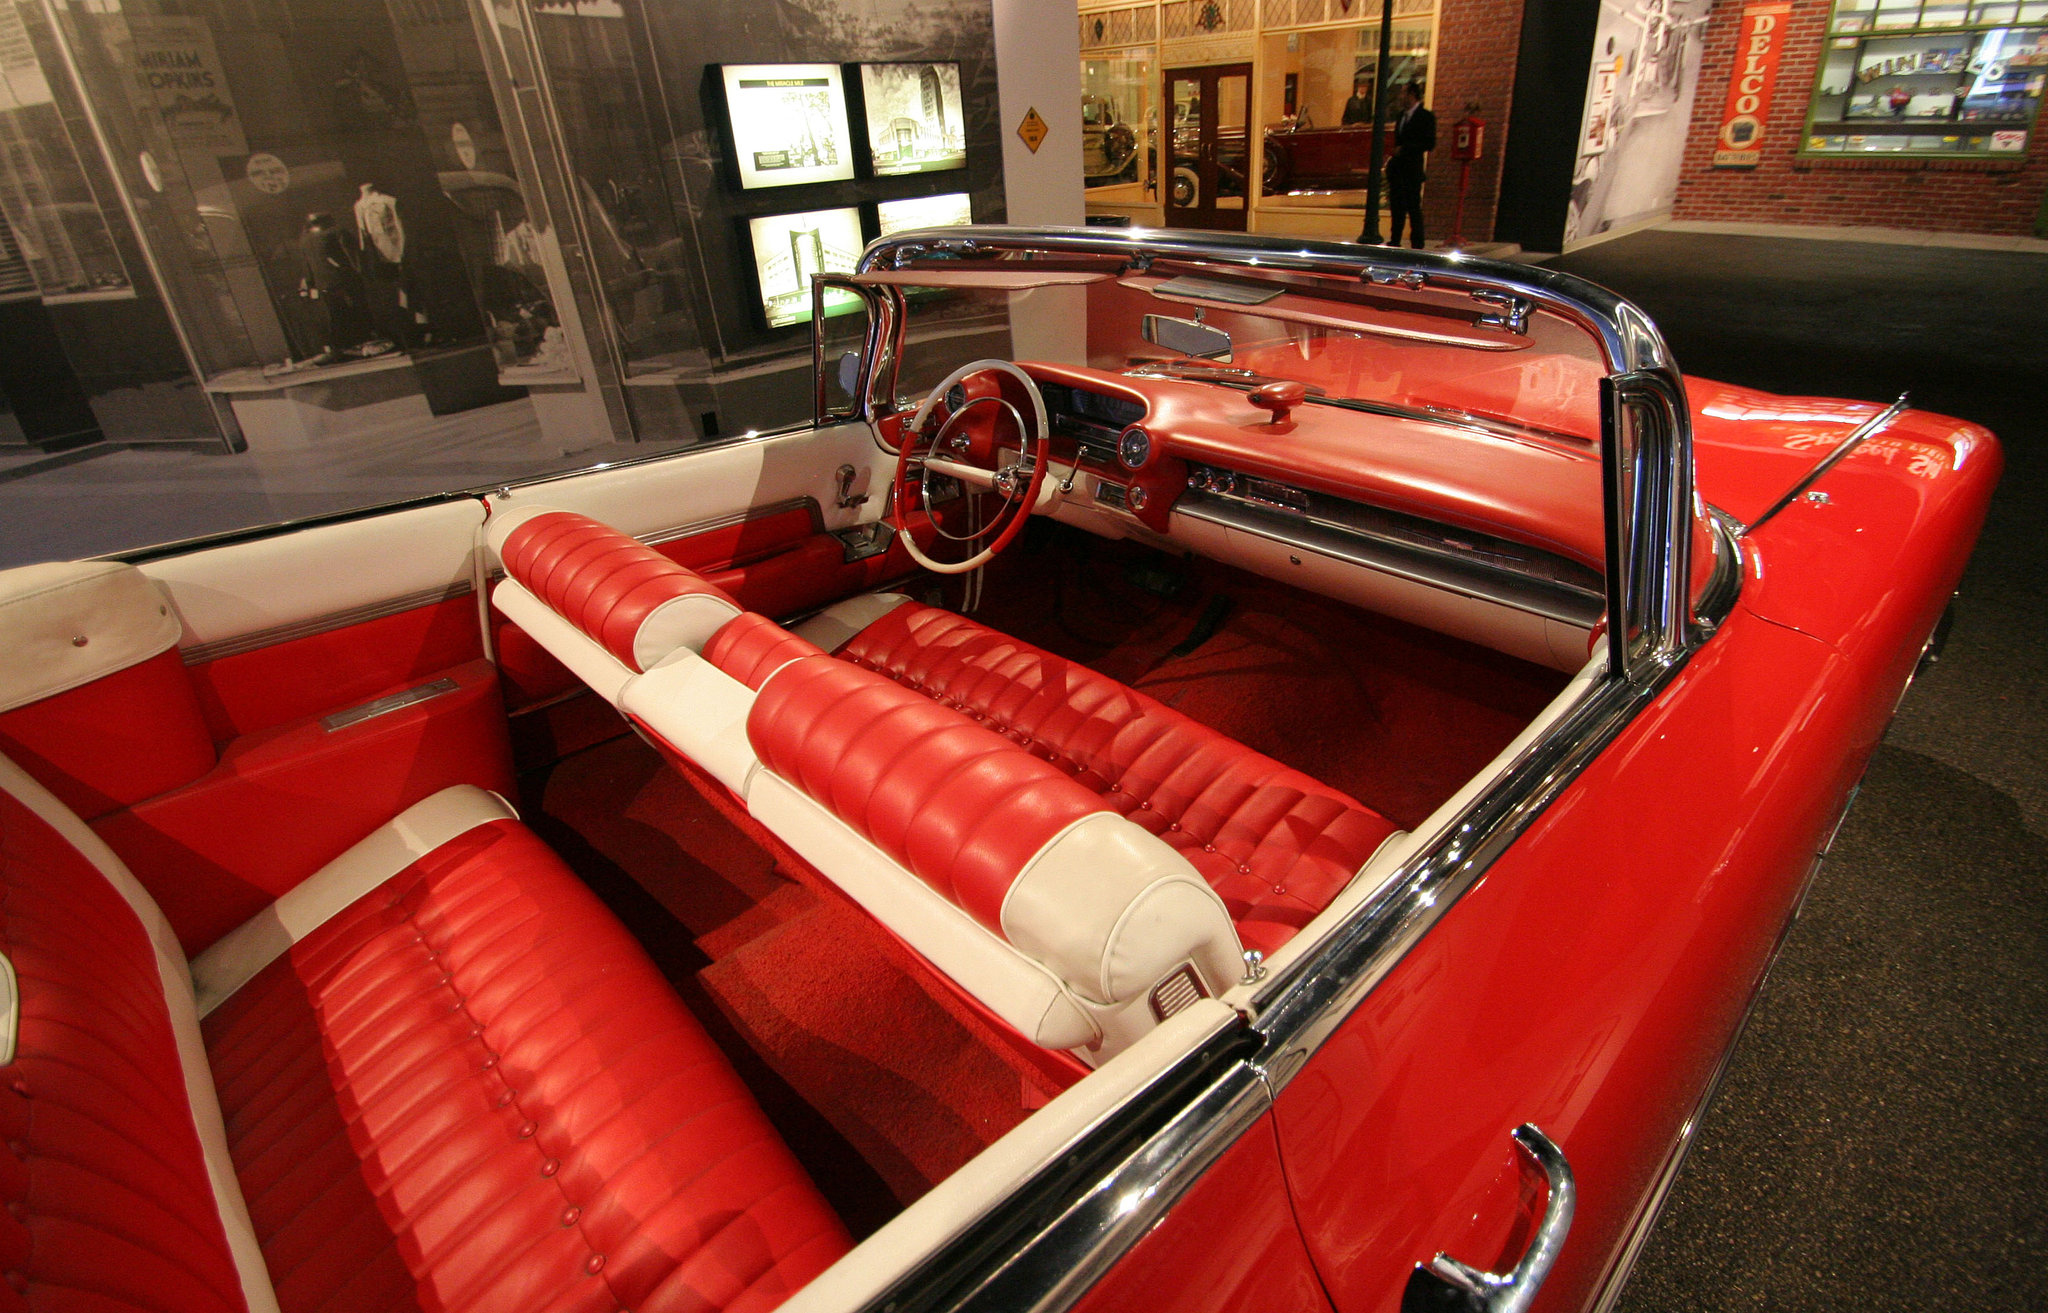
x: 1589, y: 983
x: 1208, y: 185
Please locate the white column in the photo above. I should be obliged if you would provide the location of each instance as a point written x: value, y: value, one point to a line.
x: 1038, y: 66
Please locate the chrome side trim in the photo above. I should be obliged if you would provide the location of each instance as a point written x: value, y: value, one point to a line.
x: 201, y: 653
x: 1408, y: 557
x: 694, y: 528
x: 1833, y: 458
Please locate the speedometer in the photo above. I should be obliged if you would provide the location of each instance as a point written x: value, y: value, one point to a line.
x: 1134, y: 448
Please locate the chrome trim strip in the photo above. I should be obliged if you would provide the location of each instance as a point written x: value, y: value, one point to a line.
x: 1833, y: 458
x: 384, y: 706
x: 1438, y: 567
x: 201, y: 653
x: 691, y: 530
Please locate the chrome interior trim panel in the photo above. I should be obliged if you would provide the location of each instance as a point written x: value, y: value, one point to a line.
x: 201, y: 653
x: 1413, y: 549
x: 696, y: 527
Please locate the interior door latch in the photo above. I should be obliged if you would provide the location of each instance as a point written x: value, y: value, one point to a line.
x: 846, y: 474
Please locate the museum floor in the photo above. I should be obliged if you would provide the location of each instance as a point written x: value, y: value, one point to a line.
x: 1878, y: 1141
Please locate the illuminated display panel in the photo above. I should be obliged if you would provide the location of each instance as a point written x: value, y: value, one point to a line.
x: 787, y: 123
x: 914, y: 119
x: 945, y: 211
x: 789, y: 248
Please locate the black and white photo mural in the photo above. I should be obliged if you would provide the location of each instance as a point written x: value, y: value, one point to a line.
x: 1639, y: 94
x: 914, y: 121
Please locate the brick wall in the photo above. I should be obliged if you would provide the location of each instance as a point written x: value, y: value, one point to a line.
x: 1477, y: 44
x: 1997, y: 195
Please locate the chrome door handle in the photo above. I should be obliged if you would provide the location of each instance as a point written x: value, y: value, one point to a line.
x: 1445, y: 1285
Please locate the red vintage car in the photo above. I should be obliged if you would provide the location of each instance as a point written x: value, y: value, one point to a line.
x: 1273, y: 785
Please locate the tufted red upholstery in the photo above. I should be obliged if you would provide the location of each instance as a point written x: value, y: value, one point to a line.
x: 958, y: 806
x: 471, y: 1090
x: 598, y: 579
x: 108, y: 1205
x: 1274, y: 843
x: 753, y: 647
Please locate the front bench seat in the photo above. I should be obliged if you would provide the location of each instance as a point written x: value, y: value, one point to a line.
x: 1275, y: 844
x: 437, y: 1074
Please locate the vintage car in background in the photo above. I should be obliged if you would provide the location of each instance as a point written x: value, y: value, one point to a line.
x: 1297, y: 159
x: 1109, y: 145
x: 1216, y: 773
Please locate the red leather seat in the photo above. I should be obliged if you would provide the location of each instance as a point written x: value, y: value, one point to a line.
x: 466, y: 1088
x: 1274, y: 843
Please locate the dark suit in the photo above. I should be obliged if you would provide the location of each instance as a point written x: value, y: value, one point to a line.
x: 1414, y: 138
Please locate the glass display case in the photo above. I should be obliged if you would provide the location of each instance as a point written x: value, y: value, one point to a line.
x: 1936, y: 77
x: 1119, y: 115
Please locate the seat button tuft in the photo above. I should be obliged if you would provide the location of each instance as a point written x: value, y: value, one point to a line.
x: 570, y: 1214
x: 595, y: 1264
x: 551, y: 1166
x: 20, y: 1087
x: 527, y: 1130
x: 505, y: 1098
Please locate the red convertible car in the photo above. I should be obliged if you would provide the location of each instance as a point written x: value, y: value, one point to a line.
x: 1218, y: 773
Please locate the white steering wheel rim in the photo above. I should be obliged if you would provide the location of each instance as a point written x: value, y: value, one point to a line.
x: 917, y: 423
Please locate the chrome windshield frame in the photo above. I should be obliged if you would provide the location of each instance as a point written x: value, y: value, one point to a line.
x: 1645, y: 424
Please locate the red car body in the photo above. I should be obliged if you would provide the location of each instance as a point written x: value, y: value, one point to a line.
x: 1467, y: 1087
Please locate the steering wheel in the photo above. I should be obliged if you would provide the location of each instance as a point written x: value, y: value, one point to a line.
x: 1018, y: 495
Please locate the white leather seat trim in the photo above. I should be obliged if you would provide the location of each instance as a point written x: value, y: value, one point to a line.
x: 832, y: 627
x: 587, y: 660
x: 174, y: 973
x: 235, y: 958
x: 66, y: 623
x: 1022, y: 992
x: 1111, y: 909
x: 679, y: 624
x: 701, y: 712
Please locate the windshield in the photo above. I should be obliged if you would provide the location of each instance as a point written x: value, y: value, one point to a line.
x: 1358, y: 346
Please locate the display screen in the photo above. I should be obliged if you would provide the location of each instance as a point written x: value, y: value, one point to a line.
x: 947, y: 211
x: 789, y: 248
x: 787, y: 123
x: 915, y: 123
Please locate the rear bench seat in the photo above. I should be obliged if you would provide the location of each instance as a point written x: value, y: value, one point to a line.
x: 437, y: 1074
x: 1022, y: 821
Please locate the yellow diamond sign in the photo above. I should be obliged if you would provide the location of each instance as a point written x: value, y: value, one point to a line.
x: 1032, y: 129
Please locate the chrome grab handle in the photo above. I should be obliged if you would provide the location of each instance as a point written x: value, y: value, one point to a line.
x: 1445, y: 1284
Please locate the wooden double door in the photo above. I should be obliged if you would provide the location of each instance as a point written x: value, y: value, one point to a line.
x: 1208, y: 181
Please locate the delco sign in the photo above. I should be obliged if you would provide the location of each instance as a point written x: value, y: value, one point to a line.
x: 1758, y: 45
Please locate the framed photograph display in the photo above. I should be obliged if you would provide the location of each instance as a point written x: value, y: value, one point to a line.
x: 915, y: 122
x: 789, y: 248
x: 787, y: 123
x: 949, y: 210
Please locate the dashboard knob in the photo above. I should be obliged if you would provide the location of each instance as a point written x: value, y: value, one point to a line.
x: 1138, y: 498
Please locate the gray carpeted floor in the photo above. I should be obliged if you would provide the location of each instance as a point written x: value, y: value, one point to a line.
x: 1881, y: 1141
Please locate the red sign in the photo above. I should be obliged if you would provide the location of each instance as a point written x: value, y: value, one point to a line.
x: 1758, y: 45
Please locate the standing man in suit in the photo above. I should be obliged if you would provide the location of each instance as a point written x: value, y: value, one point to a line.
x: 1414, y: 138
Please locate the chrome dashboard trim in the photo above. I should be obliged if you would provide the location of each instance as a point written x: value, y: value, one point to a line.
x: 1404, y: 557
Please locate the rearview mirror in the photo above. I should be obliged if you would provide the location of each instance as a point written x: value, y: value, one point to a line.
x: 1190, y: 337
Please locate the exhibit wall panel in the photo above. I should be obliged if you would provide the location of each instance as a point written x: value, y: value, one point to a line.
x: 1990, y: 193
x: 1641, y: 84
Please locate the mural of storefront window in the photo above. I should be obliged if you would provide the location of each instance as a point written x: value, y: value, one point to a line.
x: 1935, y: 78
x: 59, y: 233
